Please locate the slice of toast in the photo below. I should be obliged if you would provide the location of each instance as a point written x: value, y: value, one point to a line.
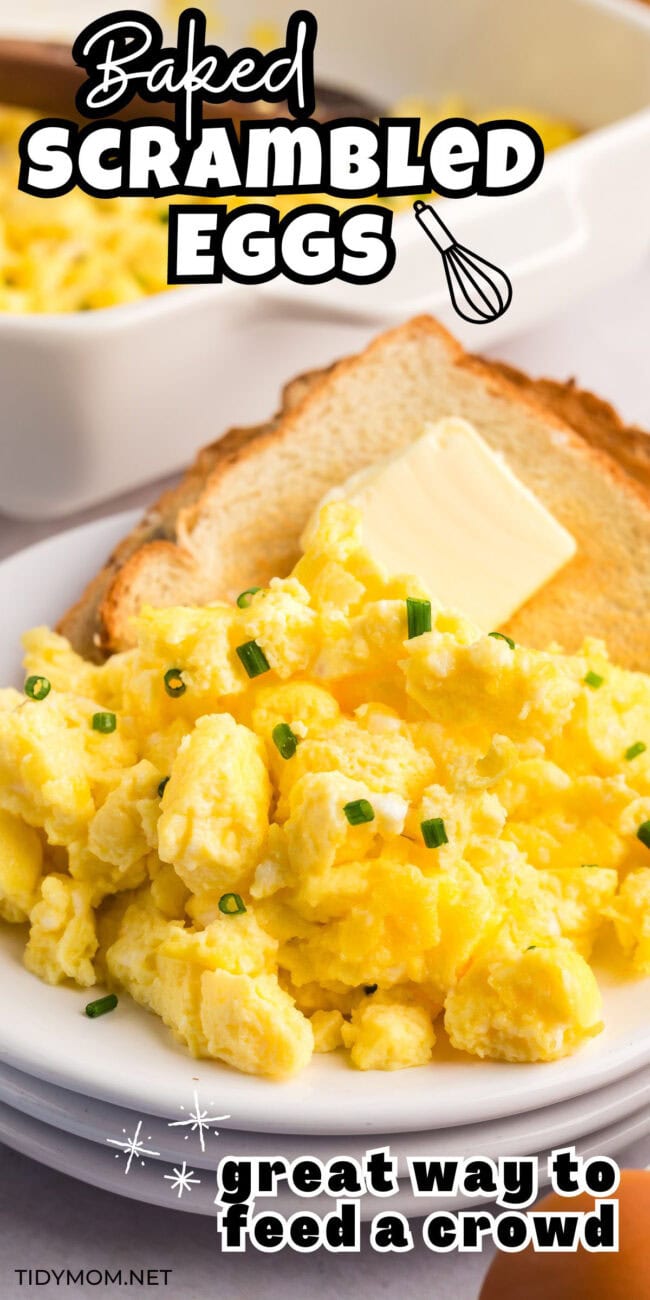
x: 236, y: 518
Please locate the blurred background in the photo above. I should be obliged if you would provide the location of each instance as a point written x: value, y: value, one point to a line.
x: 110, y: 383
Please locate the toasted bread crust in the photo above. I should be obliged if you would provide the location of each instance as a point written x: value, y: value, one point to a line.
x: 93, y: 623
x: 593, y: 418
x: 84, y: 624
x: 104, y: 612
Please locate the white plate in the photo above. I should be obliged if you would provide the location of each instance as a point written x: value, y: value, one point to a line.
x: 102, y: 1166
x: 559, y: 1125
x: 130, y: 1059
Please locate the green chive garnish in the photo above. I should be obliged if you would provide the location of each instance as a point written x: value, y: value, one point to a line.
x: 501, y: 636
x: 635, y: 750
x: 37, y: 688
x: 284, y: 740
x: 359, y: 811
x: 162, y: 786
x: 369, y: 989
x: 174, y: 684
x: 253, y: 658
x: 418, y: 613
x: 245, y: 597
x: 104, y: 722
x: 643, y: 834
x: 589, y: 866
x: 164, y: 217
x: 531, y: 947
x: 594, y: 680
x: 231, y: 905
x: 101, y: 1005
x: 434, y: 833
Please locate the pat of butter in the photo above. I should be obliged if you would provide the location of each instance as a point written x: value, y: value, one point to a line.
x: 450, y: 510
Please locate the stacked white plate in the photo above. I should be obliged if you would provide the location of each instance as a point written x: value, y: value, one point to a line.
x: 116, y: 1102
x: 144, y: 1157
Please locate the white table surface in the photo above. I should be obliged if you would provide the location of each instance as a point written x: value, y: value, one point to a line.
x: 48, y: 1220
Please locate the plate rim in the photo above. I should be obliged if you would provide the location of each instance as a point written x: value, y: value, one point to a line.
x: 92, y: 1120
x: 37, y: 1140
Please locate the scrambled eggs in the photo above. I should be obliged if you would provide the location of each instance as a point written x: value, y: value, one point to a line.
x: 78, y: 253
x: 306, y: 822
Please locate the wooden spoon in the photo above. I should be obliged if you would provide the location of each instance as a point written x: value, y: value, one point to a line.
x: 42, y: 75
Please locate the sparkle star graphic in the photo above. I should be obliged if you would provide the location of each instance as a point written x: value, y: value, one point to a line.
x: 181, y: 1179
x: 132, y: 1147
x: 198, y: 1121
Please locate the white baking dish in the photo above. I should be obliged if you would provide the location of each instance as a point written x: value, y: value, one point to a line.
x: 95, y: 403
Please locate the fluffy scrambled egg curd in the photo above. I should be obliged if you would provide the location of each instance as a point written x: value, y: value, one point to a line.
x: 330, y: 815
x: 79, y: 253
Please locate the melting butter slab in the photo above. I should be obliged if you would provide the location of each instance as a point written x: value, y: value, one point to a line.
x: 451, y: 510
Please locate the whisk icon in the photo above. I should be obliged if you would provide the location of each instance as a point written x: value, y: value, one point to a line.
x: 480, y: 292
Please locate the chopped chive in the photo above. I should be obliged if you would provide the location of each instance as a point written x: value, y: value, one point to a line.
x: 643, y: 834
x: 162, y: 786
x: 37, y: 688
x: 231, y: 905
x: 434, y: 833
x: 101, y: 1005
x: 164, y: 217
x: 253, y: 658
x: 635, y: 750
x: 501, y: 636
x: 531, y: 947
x: 104, y: 722
x: 369, y: 989
x: 594, y: 680
x: 284, y: 740
x: 174, y: 684
x: 245, y: 597
x: 589, y: 866
x: 418, y: 613
x: 359, y: 811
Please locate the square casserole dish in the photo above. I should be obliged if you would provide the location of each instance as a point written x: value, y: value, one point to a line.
x: 97, y: 403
